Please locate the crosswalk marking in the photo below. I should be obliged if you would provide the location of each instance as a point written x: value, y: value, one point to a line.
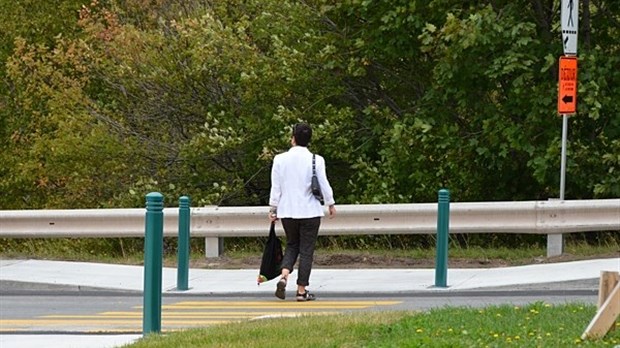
x: 101, y: 321
x: 185, y: 314
x: 124, y: 315
x: 279, y: 305
x: 250, y: 313
x: 289, y: 306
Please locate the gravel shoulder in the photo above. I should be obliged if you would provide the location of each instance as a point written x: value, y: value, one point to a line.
x: 365, y: 260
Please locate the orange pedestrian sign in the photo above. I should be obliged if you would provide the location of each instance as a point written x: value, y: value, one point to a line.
x: 567, y: 92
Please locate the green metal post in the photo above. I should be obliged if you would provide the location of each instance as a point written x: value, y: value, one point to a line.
x: 443, y: 219
x: 183, y: 251
x: 153, y: 250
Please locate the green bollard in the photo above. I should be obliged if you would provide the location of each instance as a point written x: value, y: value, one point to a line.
x: 443, y: 219
x: 183, y: 247
x: 153, y: 250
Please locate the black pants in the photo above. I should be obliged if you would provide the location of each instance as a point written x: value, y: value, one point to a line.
x: 301, y: 237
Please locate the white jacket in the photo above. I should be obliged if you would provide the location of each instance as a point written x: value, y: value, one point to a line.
x: 291, y: 176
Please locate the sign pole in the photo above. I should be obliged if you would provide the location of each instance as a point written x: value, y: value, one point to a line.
x: 563, y: 160
x: 567, y: 98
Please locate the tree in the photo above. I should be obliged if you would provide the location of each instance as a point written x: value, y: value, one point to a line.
x: 196, y: 97
x: 481, y: 99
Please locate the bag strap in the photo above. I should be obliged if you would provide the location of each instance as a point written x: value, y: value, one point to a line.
x: 313, y: 165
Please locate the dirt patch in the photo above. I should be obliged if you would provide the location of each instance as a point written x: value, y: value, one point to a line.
x: 362, y: 260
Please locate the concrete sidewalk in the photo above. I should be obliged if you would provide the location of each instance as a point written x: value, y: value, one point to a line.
x: 332, y: 281
x: 81, y: 276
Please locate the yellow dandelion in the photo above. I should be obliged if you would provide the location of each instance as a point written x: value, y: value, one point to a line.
x: 577, y: 340
x: 517, y: 308
x: 547, y: 305
x: 495, y: 335
x: 517, y: 337
x: 548, y: 334
x: 508, y: 339
x: 450, y: 330
x: 419, y: 330
x: 498, y: 314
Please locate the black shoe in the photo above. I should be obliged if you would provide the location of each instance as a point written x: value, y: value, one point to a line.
x: 281, y: 289
x: 306, y: 296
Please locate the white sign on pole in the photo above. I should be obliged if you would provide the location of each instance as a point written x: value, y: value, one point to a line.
x: 570, y: 26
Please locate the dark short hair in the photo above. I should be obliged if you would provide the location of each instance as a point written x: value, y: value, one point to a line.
x: 302, y: 133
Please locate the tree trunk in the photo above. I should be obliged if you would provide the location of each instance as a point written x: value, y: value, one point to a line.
x: 585, y: 15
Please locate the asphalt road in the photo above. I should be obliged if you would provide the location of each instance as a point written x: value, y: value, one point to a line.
x: 58, y: 312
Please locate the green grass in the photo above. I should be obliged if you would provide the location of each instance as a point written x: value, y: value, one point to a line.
x: 534, y: 325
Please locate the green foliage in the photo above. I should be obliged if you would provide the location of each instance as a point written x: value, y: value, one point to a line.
x: 107, y: 101
x: 63, y: 157
x: 37, y: 23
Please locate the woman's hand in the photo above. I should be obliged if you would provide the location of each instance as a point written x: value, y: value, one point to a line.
x: 273, y: 214
x: 273, y: 217
x: 332, y: 211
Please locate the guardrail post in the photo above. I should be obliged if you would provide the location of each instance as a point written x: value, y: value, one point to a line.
x: 443, y: 220
x: 214, y: 246
x: 183, y: 246
x: 555, y: 242
x: 153, y: 250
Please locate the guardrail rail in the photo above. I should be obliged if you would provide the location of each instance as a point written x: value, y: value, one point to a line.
x: 212, y: 222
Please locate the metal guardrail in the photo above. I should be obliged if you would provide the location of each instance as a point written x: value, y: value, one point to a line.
x: 531, y: 217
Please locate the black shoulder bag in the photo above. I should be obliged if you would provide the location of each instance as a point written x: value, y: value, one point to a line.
x: 316, y: 188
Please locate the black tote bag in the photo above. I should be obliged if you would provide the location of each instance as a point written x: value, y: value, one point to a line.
x: 272, y: 257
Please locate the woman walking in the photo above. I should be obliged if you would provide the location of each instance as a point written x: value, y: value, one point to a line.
x: 292, y: 201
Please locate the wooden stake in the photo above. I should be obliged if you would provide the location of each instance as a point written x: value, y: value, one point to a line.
x: 606, y: 284
x: 609, y: 310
